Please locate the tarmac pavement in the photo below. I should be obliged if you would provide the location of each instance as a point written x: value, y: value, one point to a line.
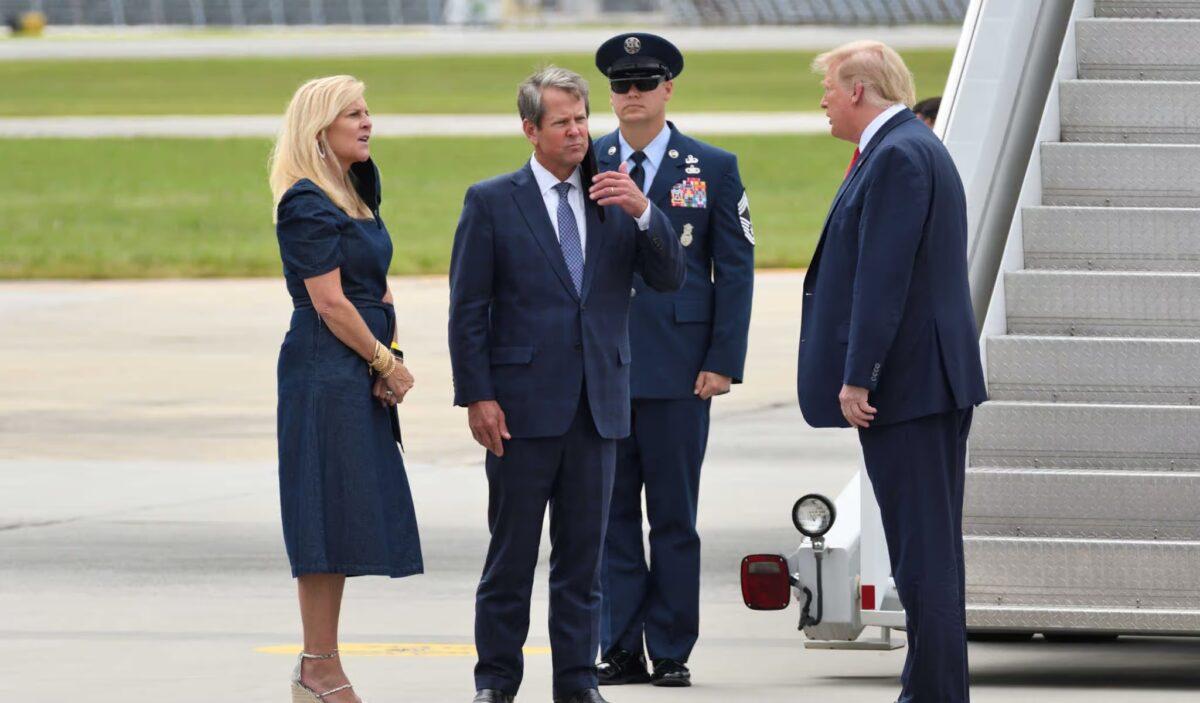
x: 140, y: 547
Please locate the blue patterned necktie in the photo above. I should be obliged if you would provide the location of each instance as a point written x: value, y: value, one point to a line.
x: 568, y: 236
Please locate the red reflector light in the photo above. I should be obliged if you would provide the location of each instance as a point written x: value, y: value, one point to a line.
x: 868, y: 596
x: 765, y: 582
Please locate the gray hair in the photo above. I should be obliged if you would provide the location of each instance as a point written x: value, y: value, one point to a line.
x: 529, y: 93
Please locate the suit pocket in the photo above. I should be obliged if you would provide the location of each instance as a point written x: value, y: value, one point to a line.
x: 692, y: 311
x: 511, y: 355
x: 623, y: 354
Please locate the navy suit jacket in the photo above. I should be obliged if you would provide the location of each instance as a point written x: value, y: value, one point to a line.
x: 703, y: 326
x: 887, y: 305
x: 520, y: 334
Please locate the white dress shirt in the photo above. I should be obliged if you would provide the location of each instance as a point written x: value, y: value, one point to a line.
x: 876, y: 123
x: 654, y: 151
x: 575, y: 198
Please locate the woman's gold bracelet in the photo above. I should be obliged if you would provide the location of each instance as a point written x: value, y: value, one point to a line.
x: 383, y: 362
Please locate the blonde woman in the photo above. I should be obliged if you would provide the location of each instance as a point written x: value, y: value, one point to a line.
x: 346, y: 505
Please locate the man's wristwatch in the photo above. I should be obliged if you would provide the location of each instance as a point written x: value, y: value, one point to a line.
x: 397, y: 352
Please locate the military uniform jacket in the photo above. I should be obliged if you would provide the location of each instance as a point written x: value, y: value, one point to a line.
x: 703, y: 326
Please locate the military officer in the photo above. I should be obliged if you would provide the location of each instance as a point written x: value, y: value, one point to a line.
x: 688, y: 346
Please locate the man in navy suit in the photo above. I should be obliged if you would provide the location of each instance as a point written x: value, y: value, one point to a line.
x: 888, y: 345
x: 539, y: 310
x: 687, y: 347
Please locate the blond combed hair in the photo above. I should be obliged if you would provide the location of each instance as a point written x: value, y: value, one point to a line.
x: 302, y: 150
x: 874, y: 64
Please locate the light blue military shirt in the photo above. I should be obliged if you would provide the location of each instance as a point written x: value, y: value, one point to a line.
x: 654, y: 151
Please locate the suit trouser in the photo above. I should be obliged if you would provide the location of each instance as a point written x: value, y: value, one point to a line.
x: 661, y: 601
x: 917, y: 469
x: 573, y: 474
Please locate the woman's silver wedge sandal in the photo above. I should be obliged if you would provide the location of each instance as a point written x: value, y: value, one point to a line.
x: 302, y: 693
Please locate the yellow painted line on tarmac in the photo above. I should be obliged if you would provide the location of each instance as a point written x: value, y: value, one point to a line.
x: 395, y: 649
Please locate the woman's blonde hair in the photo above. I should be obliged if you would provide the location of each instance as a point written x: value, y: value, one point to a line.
x: 302, y: 150
x: 874, y: 64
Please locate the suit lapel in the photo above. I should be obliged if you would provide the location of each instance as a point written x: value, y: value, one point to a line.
x: 594, y: 236
x: 898, y: 119
x: 533, y: 208
x: 670, y: 171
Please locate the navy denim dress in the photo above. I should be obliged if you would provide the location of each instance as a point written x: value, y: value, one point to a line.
x: 345, y: 499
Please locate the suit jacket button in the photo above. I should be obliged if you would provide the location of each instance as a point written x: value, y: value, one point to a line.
x: 632, y: 292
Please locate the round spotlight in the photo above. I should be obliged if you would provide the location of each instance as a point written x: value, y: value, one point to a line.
x: 813, y: 515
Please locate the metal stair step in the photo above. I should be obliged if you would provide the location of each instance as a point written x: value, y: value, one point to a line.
x: 1103, y: 304
x: 1145, y: 505
x: 1149, y: 9
x: 1136, y: 175
x: 1017, y: 434
x: 1082, y: 573
x: 1138, y: 49
x: 1145, y: 112
x: 1112, y: 239
x: 1057, y: 618
x: 1094, y: 370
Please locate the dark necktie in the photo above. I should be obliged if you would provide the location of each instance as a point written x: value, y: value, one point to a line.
x: 638, y: 174
x: 568, y: 236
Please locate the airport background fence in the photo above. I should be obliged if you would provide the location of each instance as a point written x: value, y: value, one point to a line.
x: 220, y: 13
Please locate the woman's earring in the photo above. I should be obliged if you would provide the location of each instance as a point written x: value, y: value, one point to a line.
x: 321, y: 149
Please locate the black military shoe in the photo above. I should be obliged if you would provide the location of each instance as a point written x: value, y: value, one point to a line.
x: 584, y: 695
x: 491, y: 695
x: 622, y: 667
x: 670, y: 673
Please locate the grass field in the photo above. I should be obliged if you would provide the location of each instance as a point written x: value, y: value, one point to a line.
x: 771, y: 81
x: 110, y: 208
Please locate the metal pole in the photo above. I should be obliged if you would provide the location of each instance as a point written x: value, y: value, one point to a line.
x: 995, y: 219
x: 277, y: 16
x: 118, y: 11
x: 237, y: 13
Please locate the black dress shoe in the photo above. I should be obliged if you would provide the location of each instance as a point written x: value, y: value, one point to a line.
x: 622, y: 667
x: 584, y: 695
x: 491, y: 695
x: 670, y: 673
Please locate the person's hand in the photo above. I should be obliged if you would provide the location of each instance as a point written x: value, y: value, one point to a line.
x: 486, y: 420
x: 398, y: 384
x: 617, y: 188
x: 709, y: 384
x: 855, y: 408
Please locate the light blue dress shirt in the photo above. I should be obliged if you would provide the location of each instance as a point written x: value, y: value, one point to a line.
x: 654, y: 151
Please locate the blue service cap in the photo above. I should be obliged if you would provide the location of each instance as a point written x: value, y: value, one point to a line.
x: 637, y: 54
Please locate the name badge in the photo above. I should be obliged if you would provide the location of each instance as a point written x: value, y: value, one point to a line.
x: 690, y: 192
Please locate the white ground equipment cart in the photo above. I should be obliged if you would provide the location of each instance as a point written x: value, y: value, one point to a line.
x: 1076, y: 129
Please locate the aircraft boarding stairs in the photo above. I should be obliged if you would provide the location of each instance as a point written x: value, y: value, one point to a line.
x: 1083, y: 488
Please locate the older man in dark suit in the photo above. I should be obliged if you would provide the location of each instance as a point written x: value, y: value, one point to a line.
x: 540, y: 276
x: 888, y: 345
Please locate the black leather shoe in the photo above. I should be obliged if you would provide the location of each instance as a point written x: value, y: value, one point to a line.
x: 622, y: 667
x: 585, y: 695
x: 670, y: 673
x: 491, y: 695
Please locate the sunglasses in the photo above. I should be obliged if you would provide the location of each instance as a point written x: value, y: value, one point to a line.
x: 644, y: 85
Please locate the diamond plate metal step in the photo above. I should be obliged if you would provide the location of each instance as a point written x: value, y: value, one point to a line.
x: 1021, y: 435
x: 1149, y: 9
x: 1079, y: 573
x: 1146, y: 621
x: 1094, y: 370
x: 1133, y: 175
x: 1145, y: 112
x: 1145, y: 505
x: 1103, y: 304
x: 1113, y: 239
x: 1138, y: 49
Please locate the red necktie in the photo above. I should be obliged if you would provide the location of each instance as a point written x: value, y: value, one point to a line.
x: 853, y: 159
